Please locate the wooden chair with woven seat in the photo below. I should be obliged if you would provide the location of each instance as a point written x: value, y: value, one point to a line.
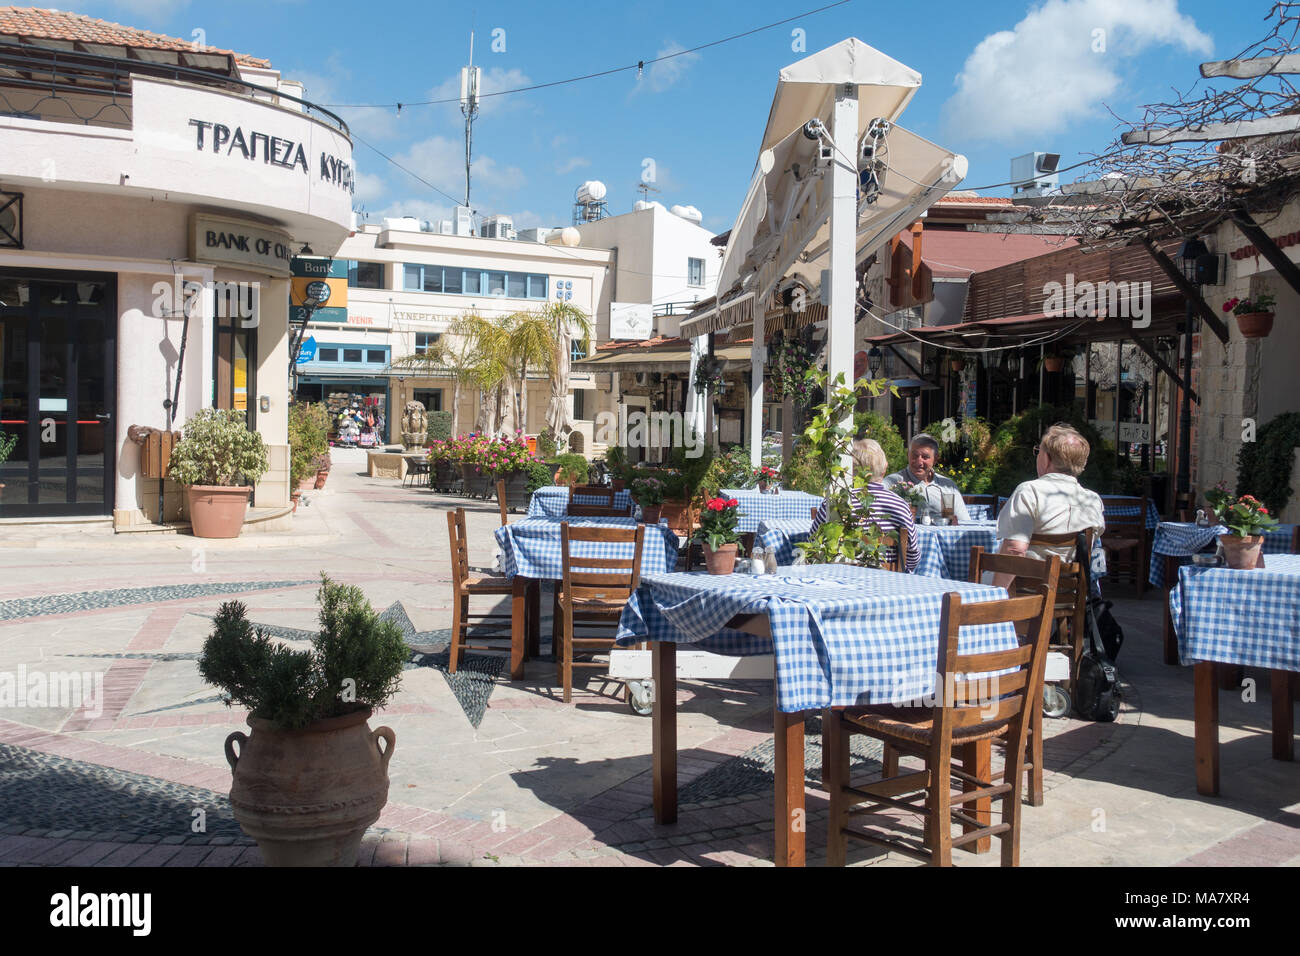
x: 1127, y: 535
x: 1024, y: 571
x: 502, y: 503
x: 464, y: 585
x: 933, y: 733
x: 990, y: 500
x: 604, y: 508
x: 593, y: 590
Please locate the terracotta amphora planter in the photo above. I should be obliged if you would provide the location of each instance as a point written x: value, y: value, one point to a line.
x: 295, y: 497
x: 1241, y: 553
x: 1255, y: 325
x: 307, y: 796
x: 307, y: 484
x: 217, y: 511
x: 722, y: 561
x: 650, y: 513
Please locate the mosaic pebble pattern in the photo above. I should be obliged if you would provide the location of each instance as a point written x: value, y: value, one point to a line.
x: 122, y: 597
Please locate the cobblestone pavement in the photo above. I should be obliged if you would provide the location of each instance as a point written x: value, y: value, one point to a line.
x: 489, y: 772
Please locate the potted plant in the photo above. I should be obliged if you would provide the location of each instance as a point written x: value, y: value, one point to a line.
x: 1246, y: 519
x: 1254, y: 316
x: 616, y: 460
x: 649, y: 494
x: 765, y: 475
x: 718, y: 534
x: 1218, y: 497
x: 571, y: 469
x: 7, y: 443
x: 912, y: 493
x: 219, y: 460
x: 322, y: 464
x: 956, y: 361
x: 1054, y: 362
x: 308, y: 441
x: 311, y: 776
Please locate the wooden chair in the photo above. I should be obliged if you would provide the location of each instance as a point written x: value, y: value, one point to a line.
x: 1071, y: 598
x: 592, y: 591
x: 932, y: 733
x: 990, y: 500
x: 1295, y: 539
x: 465, y: 585
x: 1127, y: 535
x: 812, y: 514
x: 605, y: 508
x: 899, y: 561
x: 1025, y: 571
x: 501, y: 502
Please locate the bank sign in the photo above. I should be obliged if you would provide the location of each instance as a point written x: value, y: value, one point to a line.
x: 320, y: 280
x: 236, y: 242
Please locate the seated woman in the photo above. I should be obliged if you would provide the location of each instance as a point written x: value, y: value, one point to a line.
x: 888, y: 510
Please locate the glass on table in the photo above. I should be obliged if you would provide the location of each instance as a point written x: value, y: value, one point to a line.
x: 948, y: 506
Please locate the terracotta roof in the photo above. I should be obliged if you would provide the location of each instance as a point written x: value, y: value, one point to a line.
x: 959, y: 199
x: 956, y: 253
x: 41, y: 24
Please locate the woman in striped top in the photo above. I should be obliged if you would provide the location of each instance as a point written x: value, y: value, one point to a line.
x: 888, y: 510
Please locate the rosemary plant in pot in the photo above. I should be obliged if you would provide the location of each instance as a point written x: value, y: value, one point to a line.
x: 311, y: 776
x: 220, y: 461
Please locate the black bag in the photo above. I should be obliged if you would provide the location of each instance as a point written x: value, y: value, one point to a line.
x: 1096, y: 683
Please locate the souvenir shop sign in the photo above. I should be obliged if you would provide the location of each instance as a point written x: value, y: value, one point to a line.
x: 326, y: 282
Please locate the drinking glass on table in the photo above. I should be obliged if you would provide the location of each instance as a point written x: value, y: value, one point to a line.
x: 948, y: 506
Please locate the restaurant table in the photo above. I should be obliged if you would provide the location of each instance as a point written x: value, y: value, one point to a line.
x: 1174, y: 544
x: 783, y: 506
x: 841, y: 636
x: 531, y: 552
x: 552, y: 501
x: 1248, y: 618
x: 945, y: 549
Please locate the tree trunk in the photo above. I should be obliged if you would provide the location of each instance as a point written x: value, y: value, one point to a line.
x: 496, y: 420
x: 455, y: 408
x: 521, y: 404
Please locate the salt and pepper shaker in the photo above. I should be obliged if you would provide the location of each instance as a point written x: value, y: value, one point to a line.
x: 769, y: 561
x: 1202, y: 521
x: 759, y: 559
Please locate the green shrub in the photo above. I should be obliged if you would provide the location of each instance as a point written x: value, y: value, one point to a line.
x: 546, y: 447
x: 1012, y: 453
x: 731, y: 469
x: 539, y: 475
x: 356, y: 661
x: 218, y: 449
x: 881, y: 429
x: 575, y: 466
x: 439, y: 426
x: 1264, y: 465
x: 308, y: 440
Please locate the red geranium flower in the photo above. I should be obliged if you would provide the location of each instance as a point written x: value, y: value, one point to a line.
x: 734, y: 502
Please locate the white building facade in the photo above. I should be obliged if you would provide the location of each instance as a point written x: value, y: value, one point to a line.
x: 144, y: 258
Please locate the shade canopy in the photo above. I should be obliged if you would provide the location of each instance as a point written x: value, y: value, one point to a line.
x: 782, y: 234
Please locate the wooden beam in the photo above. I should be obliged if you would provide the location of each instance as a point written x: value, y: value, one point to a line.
x: 903, y: 358
x: 1160, y: 364
x: 1247, y: 69
x: 1189, y: 291
x: 1268, y: 126
x: 1268, y: 249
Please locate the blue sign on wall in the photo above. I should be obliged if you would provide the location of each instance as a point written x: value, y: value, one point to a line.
x: 307, y: 351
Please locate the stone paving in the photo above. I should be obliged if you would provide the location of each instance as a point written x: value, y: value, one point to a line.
x: 489, y: 772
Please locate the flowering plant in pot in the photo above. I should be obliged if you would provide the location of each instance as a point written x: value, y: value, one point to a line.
x: 310, y: 777
x: 765, y: 475
x: 219, y: 460
x: 1246, y: 519
x: 1218, y: 497
x: 912, y: 493
x: 648, y: 492
x: 1254, y: 316
x: 718, y: 534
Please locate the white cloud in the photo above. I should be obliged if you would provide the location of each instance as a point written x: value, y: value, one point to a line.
x: 335, y: 86
x: 368, y: 187
x: 1059, y: 64
x: 660, y: 76
x: 441, y: 161
x: 577, y: 162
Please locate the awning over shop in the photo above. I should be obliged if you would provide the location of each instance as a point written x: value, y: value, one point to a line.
x: 670, y: 356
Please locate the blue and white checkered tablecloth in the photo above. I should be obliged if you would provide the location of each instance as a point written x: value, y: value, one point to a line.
x: 1114, y: 510
x: 945, y: 549
x: 980, y: 512
x: 532, y: 547
x: 1250, y: 617
x: 783, y: 536
x: 552, y: 501
x: 1182, y: 540
x: 756, y: 506
x: 842, y: 635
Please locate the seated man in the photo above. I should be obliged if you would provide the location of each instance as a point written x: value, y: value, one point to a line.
x: 922, y: 453
x: 1053, y: 503
x: 887, y: 510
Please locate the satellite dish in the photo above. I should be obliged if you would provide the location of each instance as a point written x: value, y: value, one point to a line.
x: 767, y: 161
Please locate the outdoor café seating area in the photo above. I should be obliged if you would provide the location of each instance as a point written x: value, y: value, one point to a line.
x: 953, y: 675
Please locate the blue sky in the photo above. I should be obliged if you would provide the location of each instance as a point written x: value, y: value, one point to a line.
x: 1001, y: 77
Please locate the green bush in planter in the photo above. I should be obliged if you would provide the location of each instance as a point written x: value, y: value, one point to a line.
x: 356, y: 661
x: 539, y: 475
x: 574, y: 465
x: 308, y: 440
x: 439, y: 426
x: 218, y: 449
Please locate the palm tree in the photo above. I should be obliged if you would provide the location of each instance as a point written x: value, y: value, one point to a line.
x: 531, y: 343
x: 463, y: 356
x: 550, y: 332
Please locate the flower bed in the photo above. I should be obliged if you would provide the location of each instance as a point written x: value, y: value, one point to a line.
x: 481, y: 460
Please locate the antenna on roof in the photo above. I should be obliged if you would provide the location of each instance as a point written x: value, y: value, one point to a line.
x: 470, y: 79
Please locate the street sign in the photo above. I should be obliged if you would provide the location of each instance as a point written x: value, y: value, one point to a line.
x: 307, y: 351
